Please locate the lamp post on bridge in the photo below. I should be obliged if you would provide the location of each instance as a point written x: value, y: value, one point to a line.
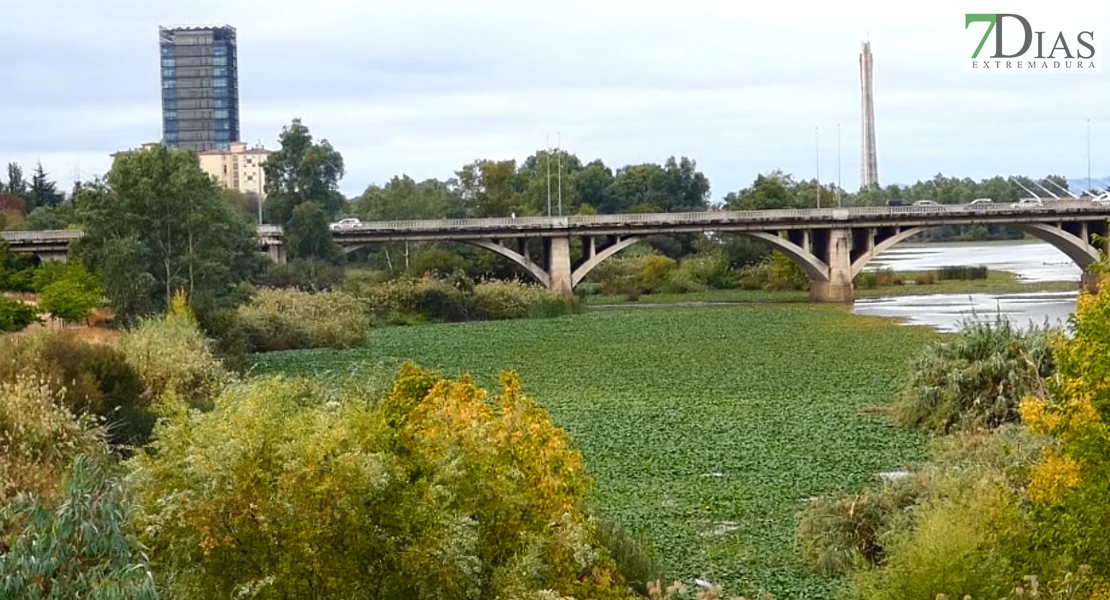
x: 817, y: 153
x: 1089, y: 156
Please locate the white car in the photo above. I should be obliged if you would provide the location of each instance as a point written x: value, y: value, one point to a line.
x: 345, y: 224
x: 1029, y: 203
x: 981, y: 203
x: 925, y: 203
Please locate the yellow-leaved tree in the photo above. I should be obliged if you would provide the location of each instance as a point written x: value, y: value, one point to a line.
x: 1069, y: 488
x: 435, y: 491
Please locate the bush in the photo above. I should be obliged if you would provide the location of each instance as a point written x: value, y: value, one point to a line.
x: 976, y: 379
x: 16, y: 315
x: 963, y: 273
x: 83, y: 548
x: 402, y: 299
x: 929, y: 278
x: 776, y: 273
x: 306, y: 274
x: 171, y: 354
x: 633, y: 558
x: 291, y: 319
x: 39, y: 438
x: 435, y: 490
x: 965, y: 541
x: 839, y: 534
x: 497, y: 300
x: 88, y: 378
x: 709, y: 270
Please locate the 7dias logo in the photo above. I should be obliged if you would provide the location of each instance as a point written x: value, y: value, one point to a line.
x: 1003, y: 42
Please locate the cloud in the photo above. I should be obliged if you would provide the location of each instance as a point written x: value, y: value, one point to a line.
x: 424, y: 87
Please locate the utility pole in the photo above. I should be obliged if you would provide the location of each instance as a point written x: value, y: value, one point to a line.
x: 559, y: 143
x: 817, y: 150
x: 547, y: 159
x: 838, y: 202
x: 1088, y: 155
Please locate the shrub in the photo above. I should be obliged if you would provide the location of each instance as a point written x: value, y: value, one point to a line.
x: 306, y: 274
x: 435, y: 490
x: 16, y: 315
x: 499, y: 300
x: 975, y: 379
x: 39, y: 438
x: 839, y: 534
x: 708, y: 269
x: 171, y: 354
x: 965, y: 541
x: 402, y: 299
x: 929, y: 278
x: 963, y: 273
x: 633, y: 558
x: 291, y: 319
x: 776, y: 273
x: 83, y: 548
x: 88, y: 378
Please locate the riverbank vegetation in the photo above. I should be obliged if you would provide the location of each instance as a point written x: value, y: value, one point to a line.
x: 1015, y: 492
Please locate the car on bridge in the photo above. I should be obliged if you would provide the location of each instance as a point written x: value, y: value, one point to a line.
x: 1029, y: 203
x: 925, y: 203
x: 981, y: 203
x: 345, y: 224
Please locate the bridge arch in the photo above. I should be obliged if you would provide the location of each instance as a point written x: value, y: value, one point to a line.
x: 815, y: 268
x: 1077, y: 249
x: 595, y: 260
x: 535, y: 270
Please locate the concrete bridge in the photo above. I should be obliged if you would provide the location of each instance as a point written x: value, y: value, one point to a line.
x: 831, y: 245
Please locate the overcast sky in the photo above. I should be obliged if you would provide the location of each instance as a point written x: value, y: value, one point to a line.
x: 422, y: 87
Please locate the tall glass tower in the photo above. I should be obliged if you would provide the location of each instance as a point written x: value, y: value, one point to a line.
x: 200, y: 87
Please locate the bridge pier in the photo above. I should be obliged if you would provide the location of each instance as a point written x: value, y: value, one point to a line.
x: 1090, y: 282
x: 276, y: 252
x: 559, y: 270
x: 838, y: 287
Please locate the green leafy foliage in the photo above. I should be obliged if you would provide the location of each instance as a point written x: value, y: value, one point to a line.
x: 289, y: 319
x: 309, y: 275
x: 976, y: 378
x: 159, y: 224
x: 286, y: 491
x: 81, y: 548
x: 16, y: 315
x: 705, y: 429
x: 67, y: 290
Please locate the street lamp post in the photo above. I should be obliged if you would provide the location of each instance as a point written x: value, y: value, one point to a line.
x: 817, y: 153
x: 838, y: 202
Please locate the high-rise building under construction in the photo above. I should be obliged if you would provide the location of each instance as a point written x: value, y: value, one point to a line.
x: 869, y: 160
x: 200, y: 87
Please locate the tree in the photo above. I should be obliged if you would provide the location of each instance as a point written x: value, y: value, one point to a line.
x: 307, y: 234
x: 302, y: 171
x: 16, y: 184
x: 490, y: 188
x: 70, y: 294
x: 402, y: 198
x: 158, y: 224
x: 43, y: 191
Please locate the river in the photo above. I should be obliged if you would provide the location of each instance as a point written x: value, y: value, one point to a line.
x: 948, y: 312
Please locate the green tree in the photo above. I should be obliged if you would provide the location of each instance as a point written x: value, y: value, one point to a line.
x: 16, y: 185
x: 158, y: 224
x: 59, y: 216
x: 302, y: 171
x: 71, y: 298
x: 307, y: 234
x: 591, y: 184
x: 43, y: 191
x: 402, y: 198
x: 491, y: 188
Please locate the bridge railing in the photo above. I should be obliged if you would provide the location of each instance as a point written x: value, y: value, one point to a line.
x: 716, y: 216
x: 52, y: 235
